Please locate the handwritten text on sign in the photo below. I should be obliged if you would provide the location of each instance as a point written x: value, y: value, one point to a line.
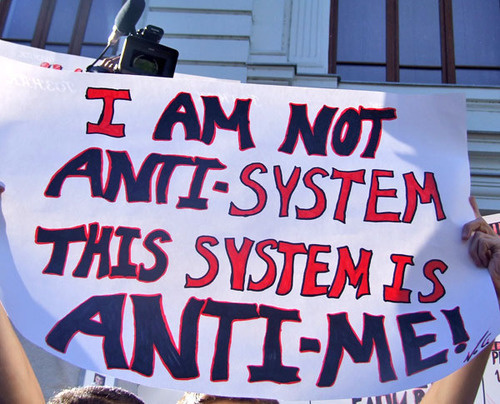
x: 272, y: 235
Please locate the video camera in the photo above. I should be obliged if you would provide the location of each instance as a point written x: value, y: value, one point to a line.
x: 143, y: 54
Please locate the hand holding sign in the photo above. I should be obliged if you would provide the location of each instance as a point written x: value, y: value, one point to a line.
x: 484, y: 249
x: 484, y: 246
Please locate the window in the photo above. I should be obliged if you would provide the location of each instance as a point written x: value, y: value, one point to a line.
x: 79, y: 27
x: 424, y: 41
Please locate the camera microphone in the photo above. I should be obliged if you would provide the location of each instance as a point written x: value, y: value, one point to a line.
x: 126, y: 19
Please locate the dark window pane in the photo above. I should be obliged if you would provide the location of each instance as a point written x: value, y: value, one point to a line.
x: 361, y: 73
x: 57, y: 48
x: 101, y: 20
x: 63, y: 21
x: 419, y: 33
x: 26, y: 43
x: 22, y: 18
x: 92, y: 51
x: 419, y: 76
x: 361, y: 31
x: 476, y: 26
x: 478, y: 77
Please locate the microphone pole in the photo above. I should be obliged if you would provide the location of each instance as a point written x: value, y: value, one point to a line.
x: 126, y: 19
x: 125, y: 22
x: 91, y: 66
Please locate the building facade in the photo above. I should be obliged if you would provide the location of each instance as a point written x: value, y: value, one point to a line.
x: 401, y: 46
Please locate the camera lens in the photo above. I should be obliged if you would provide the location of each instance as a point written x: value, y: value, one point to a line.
x: 146, y: 64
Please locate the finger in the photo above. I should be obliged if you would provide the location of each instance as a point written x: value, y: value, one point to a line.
x: 475, y: 208
x: 483, y: 251
x: 473, y: 250
x: 478, y: 224
x: 494, y: 269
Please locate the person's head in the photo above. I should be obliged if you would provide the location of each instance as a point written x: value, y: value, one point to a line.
x: 198, y: 398
x: 95, y: 395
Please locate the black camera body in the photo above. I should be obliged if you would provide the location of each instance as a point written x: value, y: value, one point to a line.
x: 142, y: 54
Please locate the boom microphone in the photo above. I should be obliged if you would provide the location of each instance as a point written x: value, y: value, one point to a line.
x: 126, y: 19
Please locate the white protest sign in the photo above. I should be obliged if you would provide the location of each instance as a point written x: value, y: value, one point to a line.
x: 239, y: 239
x: 43, y: 57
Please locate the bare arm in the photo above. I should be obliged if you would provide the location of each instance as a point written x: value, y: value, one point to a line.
x: 18, y: 383
x: 461, y: 386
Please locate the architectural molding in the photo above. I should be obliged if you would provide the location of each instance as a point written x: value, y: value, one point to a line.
x: 309, y: 35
